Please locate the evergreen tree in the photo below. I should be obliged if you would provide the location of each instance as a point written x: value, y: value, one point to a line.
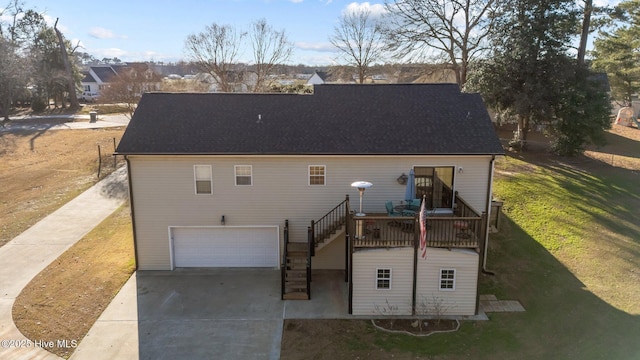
x: 617, y: 52
x: 532, y: 78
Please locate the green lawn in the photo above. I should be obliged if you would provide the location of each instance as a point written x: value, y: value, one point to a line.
x: 569, y: 251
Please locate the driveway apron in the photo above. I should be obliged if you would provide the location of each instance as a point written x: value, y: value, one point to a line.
x: 209, y: 313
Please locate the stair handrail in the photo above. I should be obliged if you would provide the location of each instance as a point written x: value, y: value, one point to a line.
x: 309, y: 247
x: 338, y: 213
x: 283, y: 268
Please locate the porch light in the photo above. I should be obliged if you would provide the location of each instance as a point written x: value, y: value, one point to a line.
x: 402, y: 179
x: 361, y: 186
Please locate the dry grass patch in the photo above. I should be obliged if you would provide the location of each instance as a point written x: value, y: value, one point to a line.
x: 66, y: 298
x: 622, y: 150
x: 42, y: 170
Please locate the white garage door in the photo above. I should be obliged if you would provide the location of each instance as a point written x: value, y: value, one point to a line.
x: 225, y: 246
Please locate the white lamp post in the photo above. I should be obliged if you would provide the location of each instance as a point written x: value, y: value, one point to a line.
x: 361, y: 186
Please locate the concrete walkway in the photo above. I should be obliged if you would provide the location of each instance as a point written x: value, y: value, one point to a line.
x: 115, y: 334
x: 30, y: 252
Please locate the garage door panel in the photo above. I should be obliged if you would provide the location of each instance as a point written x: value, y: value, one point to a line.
x: 225, y: 247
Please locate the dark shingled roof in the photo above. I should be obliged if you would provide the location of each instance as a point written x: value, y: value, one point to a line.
x: 88, y: 78
x: 410, y: 119
x: 104, y: 73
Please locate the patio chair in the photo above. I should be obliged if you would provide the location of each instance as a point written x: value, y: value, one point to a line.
x: 414, y: 204
x: 393, y: 212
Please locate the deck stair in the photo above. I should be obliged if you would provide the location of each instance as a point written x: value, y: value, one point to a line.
x: 329, y: 227
x: 296, y: 269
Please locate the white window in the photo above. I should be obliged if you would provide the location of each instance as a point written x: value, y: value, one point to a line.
x: 87, y: 88
x: 316, y: 174
x: 244, y: 175
x: 447, y: 279
x: 383, y: 279
x: 203, y: 179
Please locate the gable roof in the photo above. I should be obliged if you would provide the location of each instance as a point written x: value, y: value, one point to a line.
x: 88, y: 78
x: 337, y: 119
x: 104, y: 73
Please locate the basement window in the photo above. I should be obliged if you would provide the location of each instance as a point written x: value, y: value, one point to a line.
x: 203, y: 179
x: 383, y: 279
x: 447, y: 279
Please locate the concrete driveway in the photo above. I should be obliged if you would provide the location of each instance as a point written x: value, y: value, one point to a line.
x: 209, y: 313
x: 205, y: 314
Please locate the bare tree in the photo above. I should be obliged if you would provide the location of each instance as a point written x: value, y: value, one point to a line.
x: 584, y: 35
x: 270, y: 48
x: 359, y: 40
x: 215, y: 51
x: 131, y: 82
x: 73, y: 98
x: 454, y: 30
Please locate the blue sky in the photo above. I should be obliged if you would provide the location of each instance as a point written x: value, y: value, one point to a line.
x: 136, y: 30
x: 144, y: 30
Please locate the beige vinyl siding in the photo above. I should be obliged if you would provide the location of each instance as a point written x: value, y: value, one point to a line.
x: 163, y: 193
x: 331, y: 256
x: 462, y: 300
x: 365, y: 295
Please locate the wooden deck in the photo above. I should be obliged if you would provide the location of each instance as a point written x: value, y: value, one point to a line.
x: 381, y: 230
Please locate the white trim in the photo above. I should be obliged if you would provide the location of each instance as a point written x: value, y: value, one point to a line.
x: 235, y: 175
x: 324, y: 175
x: 171, y: 240
x: 379, y: 278
x: 440, y: 279
x: 195, y: 179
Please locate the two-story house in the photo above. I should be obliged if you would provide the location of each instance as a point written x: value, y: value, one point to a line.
x: 264, y: 180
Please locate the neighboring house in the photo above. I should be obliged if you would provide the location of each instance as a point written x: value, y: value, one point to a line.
x: 318, y: 78
x: 98, y: 77
x: 236, y: 180
x: 141, y: 77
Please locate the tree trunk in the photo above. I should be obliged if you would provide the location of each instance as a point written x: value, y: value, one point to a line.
x: 586, y: 22
x: 73, y: 98
x: 5, y: 109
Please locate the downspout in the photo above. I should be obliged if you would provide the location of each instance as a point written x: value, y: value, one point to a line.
x: 133, y: 217
x: 488, y: 212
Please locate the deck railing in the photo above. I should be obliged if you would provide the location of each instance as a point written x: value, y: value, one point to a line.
x: 378, y: 230
x: 283, y: 267
x: 462, y: 209
x: 327, y: 225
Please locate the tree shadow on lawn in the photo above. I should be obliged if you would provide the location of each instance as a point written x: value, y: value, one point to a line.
x: 611, y: 195
x: 624, y: 146
x: 31, y: 127
x: 563, y: 319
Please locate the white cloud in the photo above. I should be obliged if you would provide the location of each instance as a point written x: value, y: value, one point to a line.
x: 316, y: 60
x: 109, y: 53
x: 320, y: 46
x: 375, y: 10
x: 296, y: 1
x: 102, y: 33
